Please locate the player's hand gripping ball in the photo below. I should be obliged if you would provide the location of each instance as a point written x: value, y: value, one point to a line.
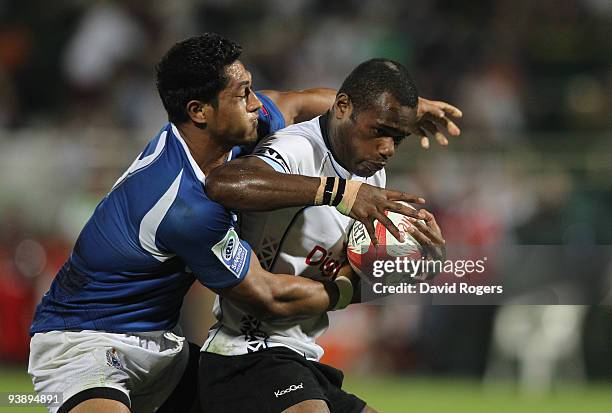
x: 362, y: 253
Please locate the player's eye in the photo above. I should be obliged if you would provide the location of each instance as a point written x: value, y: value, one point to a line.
x: 398, y: 139
x: 380, y: 132
x: 245, y: 93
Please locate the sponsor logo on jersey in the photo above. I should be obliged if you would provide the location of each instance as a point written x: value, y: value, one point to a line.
x: 289, y: 389
x: 322, y: 258
x: 229, y: 248
x: 231, y: 252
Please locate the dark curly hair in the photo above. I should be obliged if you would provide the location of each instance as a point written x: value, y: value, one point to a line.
x: 373, y: 77
x: 194, y: 69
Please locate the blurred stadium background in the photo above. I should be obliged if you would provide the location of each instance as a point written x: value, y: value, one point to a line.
x: 534, y: 166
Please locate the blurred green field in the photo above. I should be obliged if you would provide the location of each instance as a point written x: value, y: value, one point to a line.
x: 401, y: 395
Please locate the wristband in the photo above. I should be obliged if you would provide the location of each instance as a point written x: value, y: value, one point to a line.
x: 345, y: 290
x: 331, y: 191
x: 349, y: 197
x: 319, y: 197
x: 337, y: 192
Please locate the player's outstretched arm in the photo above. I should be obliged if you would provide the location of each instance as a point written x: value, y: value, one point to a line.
x: 266, y: 295
x: 301, y: 105
x: 434, y: 118
x: 250, y: 184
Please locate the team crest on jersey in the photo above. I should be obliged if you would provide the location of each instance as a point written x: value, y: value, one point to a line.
x: 112, y: 359
x: 231, y: 252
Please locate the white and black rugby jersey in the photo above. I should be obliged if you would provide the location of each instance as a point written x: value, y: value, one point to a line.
x: 309, y: 242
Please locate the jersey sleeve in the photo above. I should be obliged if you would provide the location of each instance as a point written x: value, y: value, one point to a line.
x: 205, y: 239
x: 270, y: 117
x: 287, y: 153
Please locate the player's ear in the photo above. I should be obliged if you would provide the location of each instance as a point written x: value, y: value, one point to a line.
x: 343, y: 106
x: 199, y: 112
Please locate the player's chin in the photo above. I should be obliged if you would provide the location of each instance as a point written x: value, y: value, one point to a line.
x: 364, y: 172
x: 250, y: 136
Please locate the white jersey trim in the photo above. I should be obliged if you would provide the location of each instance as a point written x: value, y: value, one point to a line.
x: 152, y: 220
x: 194, y: 165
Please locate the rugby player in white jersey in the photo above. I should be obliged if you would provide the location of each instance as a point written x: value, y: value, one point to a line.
x: 105, y: 336
x: 250, y: 364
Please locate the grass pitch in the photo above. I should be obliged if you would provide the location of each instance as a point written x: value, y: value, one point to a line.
x: 404, y: 395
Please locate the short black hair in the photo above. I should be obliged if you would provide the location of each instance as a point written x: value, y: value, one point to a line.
x: 194, y: 69
x: 370, y: 79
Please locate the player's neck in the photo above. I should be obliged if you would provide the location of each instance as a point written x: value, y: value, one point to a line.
x: 206, y: 151
x: 334, y: 140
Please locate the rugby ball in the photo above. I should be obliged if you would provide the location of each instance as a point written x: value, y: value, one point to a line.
x: 362, y: 253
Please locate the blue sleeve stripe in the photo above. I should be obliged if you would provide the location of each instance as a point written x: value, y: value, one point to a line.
x: 271, y: 112
x: 277, y: 166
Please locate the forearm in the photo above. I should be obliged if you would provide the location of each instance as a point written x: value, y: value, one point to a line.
x: 244, y: 186
x: 293, y: 296
x: 267, y: 296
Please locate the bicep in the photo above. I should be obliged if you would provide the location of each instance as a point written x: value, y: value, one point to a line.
x: 208, y: 245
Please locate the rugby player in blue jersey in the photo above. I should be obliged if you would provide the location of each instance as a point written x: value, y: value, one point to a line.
x: 105, y: 335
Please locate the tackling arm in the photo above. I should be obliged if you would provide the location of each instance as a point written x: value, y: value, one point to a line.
x: 250, y: 184
x: 266, y: 295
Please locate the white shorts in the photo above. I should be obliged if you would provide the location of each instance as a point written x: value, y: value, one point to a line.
x: 139, y: 369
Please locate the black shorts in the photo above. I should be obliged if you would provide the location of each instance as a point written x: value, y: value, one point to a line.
x: 270, y: 380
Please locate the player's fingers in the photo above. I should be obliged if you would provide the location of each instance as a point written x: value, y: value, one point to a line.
x: 429, y: 107
x: 424, y: 142
x: 448, y: 108
x: 383, y: 219
x: 428, y: 226
x: 429, y: 219
x: 419, y: 236
x: 425, y: 215
x: 434, y: 237
x: 404, y: 196
x: 444, y: 123
x: 452, y: 128
x: 369, y: 226
x: 433, y: 130
x: 401, y: 209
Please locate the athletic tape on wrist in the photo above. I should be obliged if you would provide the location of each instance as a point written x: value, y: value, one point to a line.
x: 345, y: 289
x: 340, y: 189
x: 330, y: 191
x: 319, y: 196
x: 350, y: 195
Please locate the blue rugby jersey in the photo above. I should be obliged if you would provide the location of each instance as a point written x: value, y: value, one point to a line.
x: 147, y: 241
